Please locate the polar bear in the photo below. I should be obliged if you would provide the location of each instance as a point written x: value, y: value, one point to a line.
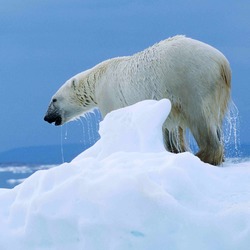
x: 194, y: 76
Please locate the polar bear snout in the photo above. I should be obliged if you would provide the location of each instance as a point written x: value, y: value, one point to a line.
x: 54, y: 114
x: 56, y: 118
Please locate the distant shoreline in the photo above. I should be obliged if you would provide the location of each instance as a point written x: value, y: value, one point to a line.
x: 57, y: 154
x: 52, y: 154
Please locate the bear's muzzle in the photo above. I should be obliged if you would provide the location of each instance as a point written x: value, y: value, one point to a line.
x: 57, y: 119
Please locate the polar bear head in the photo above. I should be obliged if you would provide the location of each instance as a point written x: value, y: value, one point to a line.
x: 69, y: 102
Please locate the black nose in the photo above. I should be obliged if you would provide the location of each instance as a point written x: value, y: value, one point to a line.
x: 48, y: 119
x: 57, y: 119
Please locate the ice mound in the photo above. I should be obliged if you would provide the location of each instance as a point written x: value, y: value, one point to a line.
x: 127, y: 192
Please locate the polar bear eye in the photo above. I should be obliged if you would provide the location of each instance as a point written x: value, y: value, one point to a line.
x: 54, y: 100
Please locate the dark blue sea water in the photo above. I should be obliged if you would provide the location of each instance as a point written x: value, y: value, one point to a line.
x: 13, y: 174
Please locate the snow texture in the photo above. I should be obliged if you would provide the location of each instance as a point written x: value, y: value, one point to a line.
x: 127, y: 192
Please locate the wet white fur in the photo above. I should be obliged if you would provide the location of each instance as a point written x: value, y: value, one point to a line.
x: 193, y: 75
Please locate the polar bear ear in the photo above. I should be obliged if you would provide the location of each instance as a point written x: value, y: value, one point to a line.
x: 73, y: 83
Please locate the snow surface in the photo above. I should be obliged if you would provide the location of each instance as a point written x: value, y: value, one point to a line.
x: 127, y: 192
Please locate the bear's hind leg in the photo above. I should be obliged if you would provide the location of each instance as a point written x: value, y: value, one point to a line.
x: 211, y: 149
x: 174, y: 141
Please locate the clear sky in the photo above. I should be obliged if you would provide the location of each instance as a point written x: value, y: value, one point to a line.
x: 43, y: 43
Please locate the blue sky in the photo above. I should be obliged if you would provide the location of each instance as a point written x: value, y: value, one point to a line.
x: 43, y: 43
